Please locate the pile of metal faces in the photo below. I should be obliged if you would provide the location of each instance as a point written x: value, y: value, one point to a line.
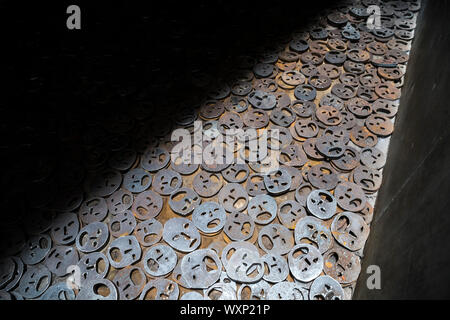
x: 141, y: 225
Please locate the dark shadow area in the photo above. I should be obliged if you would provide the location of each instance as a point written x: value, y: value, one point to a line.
x: 75, y: 99
x: 409, y: 238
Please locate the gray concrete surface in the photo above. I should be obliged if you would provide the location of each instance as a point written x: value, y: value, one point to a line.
x: 410, y: 234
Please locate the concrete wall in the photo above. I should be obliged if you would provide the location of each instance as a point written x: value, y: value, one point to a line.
x: 410, y: 234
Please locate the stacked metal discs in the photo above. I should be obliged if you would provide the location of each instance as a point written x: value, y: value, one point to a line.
x: 131, y: 220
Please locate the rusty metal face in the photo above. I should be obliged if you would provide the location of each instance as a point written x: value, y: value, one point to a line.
x: 321, y: 204
x: 312, y: 230
x: 124, y: 251
x: 373, y: 158
x: 342, y: 265
x: 155, y: 159
x: 350, y: 230
x: 14, y: 275
x: 305, y: 262
x: 367, y: 178
x: 277, y: 268
x: 350, y: 196
x: 92, y: 237
x: 147, y: 205
x: 362, y: 137
x: 305, y: 92
x: 323, y: 176
x: 326, y: 288
x: 256, y: 118
x: 181, y: 234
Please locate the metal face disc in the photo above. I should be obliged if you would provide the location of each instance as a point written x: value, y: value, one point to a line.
x: 119, y: 201
x: 262, y: 100
x: 277, y: 268
x: 323, y: 176
x: 105, y: 183
x: 165, y: 290
x: 373, y: 158
x: 278, y: 181
x: 122, y: 224
x: 285, y: 291
x: 326, y: 288
x: 258, y: 291
x: 305, y: 262
x: 184, y: 201
x: 207, y: 184
x: 7, y: 268
x: 192, y: 295
x: 129, y: 282
x: 137, y: 180
x: 293, y: 156
x: 321, y: 204
x: 93, y: 265
x: 236, y: 173
x: 239, y: 226
x: 342, y: 265
x: 65, y: 228
x: 148, y: 232
x: 290, y: 212
x: 58, y: 291
x: 92, y: 237
x: 228, y: 251
x: 245, y: 266
x: 330, y: 147
x: 302, y: 192
x: 275, y: 239
x: 92, y: 210
x: 348, y: 161
x: 233, y: 197
x: 16, y: 274
x: 36, y: 249
x: 147, y: 205
x: 350, y: 230
x: 197, y: 273
x: 256, y: 118
x: 350, y: 196
x: 263, y: 209
x: 209, y: 217
x: 159, y: 260
x: 181, y: 234
x: 34, y: 282
x: 303, y: 109
x: 306, y: 128
x: 220, y: 291
x: 60, y: 258
x: 123, y: 252
x: 255, y: 185
x: 98, y: 289
x: 367, y: 178
x: 167, y: 181
x: 155, y: 159
x: 313, y: 230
